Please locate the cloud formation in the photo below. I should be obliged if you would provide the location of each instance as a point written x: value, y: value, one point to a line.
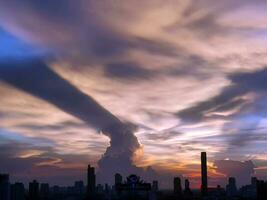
x: 242, y: 171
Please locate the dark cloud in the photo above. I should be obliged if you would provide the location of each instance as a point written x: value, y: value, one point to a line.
x: 36, y: 78
x: 230, y: 97
x: 163, y: 135
x: 242, y: 171
x: 223, y: 100
x: 207, y: 24
x: 26, y: 169
x: 39, y: 80
x: 7, y: 136
x: 242, y: 126
x: 53, y: 127
x: 127, y: 71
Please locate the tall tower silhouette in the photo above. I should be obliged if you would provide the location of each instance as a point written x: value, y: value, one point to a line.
x: 4, y: 186
x: 177, y: 188
x: 34, y: 190
x: 231, y: 189
x: 118, y: 179
x: 204, y: 174
x: 91, y: 181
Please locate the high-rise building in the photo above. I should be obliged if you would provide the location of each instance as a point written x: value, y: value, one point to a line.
x: 118, y: 179
x: 231, y: 189
x: 177, y: 188
x: 17, y: 191
x: 155, y: 186
x: 107, y: 188
x: 99, y: 188
x: 34, y: 190
x: 91, y: 180
x: 44, y: 191
x: 186, y: 184
x: 4, y: 186
x: 79, y: 187
x: 204, y: 174
x: 187, y: 190
x: 254, y: 181
x: 261, y: 190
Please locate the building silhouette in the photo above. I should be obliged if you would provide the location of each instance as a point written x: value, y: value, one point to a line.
x: 44, y: 191
x: 204, y: 174
x: 4, y: 186
x: 34, y: 190
x: 17, y: 191
x: 231, y: 189
x: 78, y: 187
x: 187, y: 190
x: 118, y: 179
x: 177, y: 187
x: 261, y: 190
x: 91, y: 181
x: 155, y: 186
x: 133, y: 189
x: 249, y: 191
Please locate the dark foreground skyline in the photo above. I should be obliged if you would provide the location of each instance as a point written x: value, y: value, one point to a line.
x: 133, y: 86
x: 132, y: 187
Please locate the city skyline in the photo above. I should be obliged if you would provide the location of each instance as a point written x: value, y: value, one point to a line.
x: 133, y: 87
x: 132, y: 187
x: 89, y: 175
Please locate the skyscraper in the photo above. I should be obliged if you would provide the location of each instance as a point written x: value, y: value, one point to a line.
x: 17, y: 191
x: 4, y: 186
x: 91, y: 180
x: 34, y: 190
x: 187, y: 190
x: 155, y: 186
x: 177, y: 188
x: 118, y: 179
x: 204, y: 174
x: 79, y: 187
x: 231, y: 189
x: 44, y: 191
x: 186, y: 184
x: 254, y: 182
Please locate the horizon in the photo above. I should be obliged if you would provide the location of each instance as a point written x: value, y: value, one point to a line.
x: 133, y: 87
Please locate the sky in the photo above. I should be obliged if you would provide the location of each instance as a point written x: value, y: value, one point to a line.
x: 133, y: 87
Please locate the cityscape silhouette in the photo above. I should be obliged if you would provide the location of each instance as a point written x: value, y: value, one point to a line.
x: 132, y: 188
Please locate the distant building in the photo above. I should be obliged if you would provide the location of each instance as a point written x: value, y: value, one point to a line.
x: 217, y: 193
x: 204, y: 174
x: 187, y: 190
x: 118, y: 179
x: 17, y: 191
x: 177, y: 188
x: 155, y: 186
x: 44, y: 191
x: 34, y: 190
x: 231, y: 189
x: 91, y: 180
x: 99, y: 188
x: 134, y: 188
x: 261, y: 190
x: 78, y: 187
x: 107, y: 188
x: 4, y: 186
x: 249, y: 191
x: 254, y: 181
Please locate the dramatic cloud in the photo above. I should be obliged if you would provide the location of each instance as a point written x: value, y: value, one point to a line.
x: 242, y: 171
x: 47, y: 85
